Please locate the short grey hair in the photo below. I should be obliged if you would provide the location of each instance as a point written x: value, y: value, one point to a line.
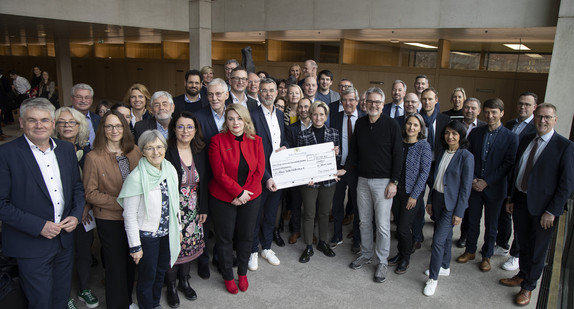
x: 376, y: 90
x: 401, y: 82
x: 159, y: 94
x: 350, y: 90
x: 471, y: 99
x: 82, y: 86
x: 230, y: 61
x: 82, y: 139
x: 267, y: 81
x: 150, y: 136
x: 37, y: 103
x: 218, y: 82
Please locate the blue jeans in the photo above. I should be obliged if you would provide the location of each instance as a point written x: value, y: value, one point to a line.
x: 371, y: 201
x: 151, y: 270
x: 442, y: 238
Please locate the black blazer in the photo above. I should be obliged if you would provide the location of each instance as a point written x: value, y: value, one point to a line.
x: 293, y: 131
x: 207, y: 123
x: 251, y: 103
x: 529, y: 129
x: 201, y: 165
x: 144, y: 125
x: 181, y: 105
x: 262, y: 130
x: 337, y: 123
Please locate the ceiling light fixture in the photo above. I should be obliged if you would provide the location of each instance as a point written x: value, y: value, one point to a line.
x: 421, y: 45
x: 461, y: 53
x: 517, y: 46
x: 535, y: 56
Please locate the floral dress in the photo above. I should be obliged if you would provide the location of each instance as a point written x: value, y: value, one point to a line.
x: 192, y: 243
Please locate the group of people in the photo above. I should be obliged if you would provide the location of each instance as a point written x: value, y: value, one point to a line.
x: 155, y: 173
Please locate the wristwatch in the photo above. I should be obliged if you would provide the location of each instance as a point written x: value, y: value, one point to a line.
x: 396, y: 182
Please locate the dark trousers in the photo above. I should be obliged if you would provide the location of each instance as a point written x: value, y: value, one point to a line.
x: 505, y: 225
x: 442, y: 238
x: 47, y: 280
x: 404, y: 219
x: 464, y: 225
x: 151, y: 270
x: 120, y: 267
x: 204, y: 257
x: 316, y: 200
x: 294, y: 202
x: 348, y: 181
x: 419, y: 220
x: 265, y: 223
x: 234, y: 226
x: 491, y: 214
x: 533, y: 241
x: 83, y: 257
x: 180, y: 271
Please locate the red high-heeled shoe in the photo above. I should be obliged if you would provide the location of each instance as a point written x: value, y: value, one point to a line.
x: 231, y: 286
x: 243, y: 283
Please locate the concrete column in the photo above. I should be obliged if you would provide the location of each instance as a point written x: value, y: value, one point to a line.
x: 199, y: 33
x: 559, y: 87
x: 63, y: 63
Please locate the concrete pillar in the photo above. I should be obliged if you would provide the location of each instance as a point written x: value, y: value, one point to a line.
x: 199, y: 33
x: 559, y: 87
x: 63, y: 63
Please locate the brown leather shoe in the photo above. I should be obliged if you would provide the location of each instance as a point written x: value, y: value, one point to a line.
x: 514, y: 281
x: 348, y: 220
x: 465, y: 257
x: 293, y: 238
x: 523, y: 297
x: 485, y: 265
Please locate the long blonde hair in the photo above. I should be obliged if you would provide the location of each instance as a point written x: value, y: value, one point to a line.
x: 249, y: 128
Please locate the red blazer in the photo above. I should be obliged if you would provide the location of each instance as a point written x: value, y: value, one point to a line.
x: 224, y: 160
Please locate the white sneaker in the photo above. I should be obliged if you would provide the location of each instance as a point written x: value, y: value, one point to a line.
x: 430, y: 287
x: 498, y: 250
x: 441, y: 272
x: 511, y: 264
x: 253, y: 263
x: 270, y: 256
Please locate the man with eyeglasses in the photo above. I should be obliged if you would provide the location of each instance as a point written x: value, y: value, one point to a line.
x: 238, y: 81
x: 253, y: 81
x: 82, y: 100
x: 192, y: 100
x: 41, y: 204
x: 542, y: 182
x: 162, y: 107
x: 269, y: 125
x: 376, y: 152
x: 336, y: 106
x: 521, y: 125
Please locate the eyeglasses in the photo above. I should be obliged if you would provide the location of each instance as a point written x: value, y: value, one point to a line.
x: 378, y: 103
x: 79, y: 97
x: 344, y: 86
x: 160, y: 148
x: 182, y: 128
x: 215, y: 94
x: 545, y: 117
x: 239, y: 79
x: 71, y: 123
x: 44, y: 121
x: 264, y: 91
x: 110, y: 127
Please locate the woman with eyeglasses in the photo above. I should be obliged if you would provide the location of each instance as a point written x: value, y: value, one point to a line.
x: 72, y: 126
x: 113, y: 157
x: 150, y: 200
x: 186, y: 152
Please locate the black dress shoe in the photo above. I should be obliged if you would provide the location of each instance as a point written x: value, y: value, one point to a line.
x: 323, y: 247
x: 416, y: 245
x: 171, y: 295
x: 307, y: 254
x: 461, y: 243
x: 402, y: 268
x: 277, y: 238
x: 394, y: 260
x: 187, y: 290
x: 203, y: 270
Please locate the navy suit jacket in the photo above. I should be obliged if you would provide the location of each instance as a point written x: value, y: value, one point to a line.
x: 25, y: 204
x: 499, y: 161
x: 337, y: 123
x: 262, y: 130
x: 457, y: 181
x: 293, y: 131
x: 387, y: 109
x: 551, y: 179
x: 95, y: 118
x: 181, y: 105
x: 207, y: 123
x: 251, y: 103
x: 529, y: 129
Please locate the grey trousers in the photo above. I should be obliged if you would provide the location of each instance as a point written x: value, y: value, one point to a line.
x: 317, y: 200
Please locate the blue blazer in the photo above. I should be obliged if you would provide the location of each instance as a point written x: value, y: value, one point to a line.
x: 551, y: 179
x: 337, y: 122
x: 529, y: 129
x: 262, y: 130
x: 95, y: 120
x: 499, y: 161
x: 208, y: 126
x: 25, y: 204
x: 457, y: 181
x: 387, y: 109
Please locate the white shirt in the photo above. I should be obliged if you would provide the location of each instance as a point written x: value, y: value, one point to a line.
x: 442, y: 166
x: 273, y: 125
x: 471, y: 126
x: 344, y: 138
x: 50, y: 170
x: 21, y: 85
x: 236, y: 100
x: 542, y: 143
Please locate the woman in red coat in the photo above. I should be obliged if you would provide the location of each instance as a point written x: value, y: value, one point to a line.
x: 238, y: 163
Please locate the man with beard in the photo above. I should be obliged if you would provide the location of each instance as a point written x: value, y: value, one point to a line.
x: 191, y: 100
x: 268, y: 123
x: 396, y: 108
x: 162, y: 107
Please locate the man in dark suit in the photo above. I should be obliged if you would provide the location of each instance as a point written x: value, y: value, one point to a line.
x: 269, y: 124
x: 522, y: 125
x: 41, y: 203
x: 162, y: 107
x: 191, y: 100
x: 238, y: 82
x: 344, y: 122
x: 82, y: 100
x: 336, y: 106
x: 411, y: 104
x: 494, y: 149
x: 396, y: 108
x: 543, y: 180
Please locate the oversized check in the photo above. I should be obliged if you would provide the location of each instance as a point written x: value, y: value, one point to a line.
x: 297, y: 166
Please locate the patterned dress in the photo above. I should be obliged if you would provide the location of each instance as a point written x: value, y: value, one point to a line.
x: 192, y: 244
